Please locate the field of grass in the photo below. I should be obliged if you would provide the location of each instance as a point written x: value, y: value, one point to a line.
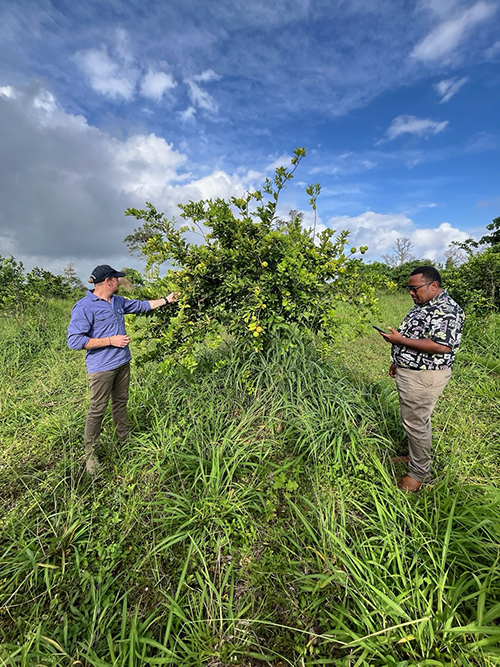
x: 253, y: 518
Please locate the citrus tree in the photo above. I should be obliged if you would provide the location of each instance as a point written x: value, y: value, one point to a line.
x: 255, y: 277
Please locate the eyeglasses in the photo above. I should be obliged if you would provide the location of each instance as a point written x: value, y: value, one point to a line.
x: 410, y: 288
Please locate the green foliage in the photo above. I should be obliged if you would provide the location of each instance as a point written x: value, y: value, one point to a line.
x: 255, y: 276
x: 401, y: 274
x: 469, y: 245
x: 134, y: 277
x: 19, y: 290
x: 378, y: 274
x: 71, y: 279
x: 493, y: 238
x: 475, y: 284
x: 391, y: 277
x: 12, y: 282
x: 41, y: 283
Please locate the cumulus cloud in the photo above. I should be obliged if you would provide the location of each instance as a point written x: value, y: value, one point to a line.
x: 379, y: 231
x: 432, y: 243
x: 155, y: 84
x: 421, y: 127
x: 65, y: 183
x: 447, y: 88
x: 445, y: 38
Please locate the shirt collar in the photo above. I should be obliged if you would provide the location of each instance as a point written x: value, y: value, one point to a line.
x: 92, y: 296
x: 439, y: 297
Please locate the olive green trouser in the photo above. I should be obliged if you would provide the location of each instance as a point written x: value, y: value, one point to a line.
x: 418, y: 392
x: 103, y: 385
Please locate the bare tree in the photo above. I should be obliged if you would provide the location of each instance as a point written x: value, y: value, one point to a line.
x: 401, y: 252
x: 454, y: 255
x: 70, y: 277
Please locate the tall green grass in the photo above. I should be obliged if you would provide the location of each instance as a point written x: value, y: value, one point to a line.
x: 252, y: 519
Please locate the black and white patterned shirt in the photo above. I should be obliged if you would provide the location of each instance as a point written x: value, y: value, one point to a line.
x: 441, y: 320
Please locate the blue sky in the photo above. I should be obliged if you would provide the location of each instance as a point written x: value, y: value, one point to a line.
x: 107, y: 104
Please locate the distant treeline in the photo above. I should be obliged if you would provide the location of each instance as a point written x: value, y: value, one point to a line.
x: 472, y: 277
x: 471, y: 273
x: 19, y: 288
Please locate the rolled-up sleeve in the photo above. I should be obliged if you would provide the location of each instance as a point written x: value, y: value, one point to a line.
x: 79, y: 328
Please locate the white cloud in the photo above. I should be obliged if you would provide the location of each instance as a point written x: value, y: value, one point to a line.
x: 117, y: 75
x: 206, y: 76
x: 122, y: 46
x: 376, y: 230
x: 155, y: 84
x: 107, y: 76
x: 431, y: 243
x: 7, y: 91
x: 146, y: 163
x: 412, y: 125
x: 447, y: 88
x: 188, y: 114
x: 282, y: 161
x: 446, y: 37
x: 199, y: 97
x: 379, y: 231
x: 217, y: 184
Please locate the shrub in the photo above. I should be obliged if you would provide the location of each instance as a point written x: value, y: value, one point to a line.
x: 12, y: 282
x: 475, y: 284
x: 256, y: 276
x: 401, y: 274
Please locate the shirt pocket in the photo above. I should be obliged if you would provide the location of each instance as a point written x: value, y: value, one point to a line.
x: 105, y: 317
x: 104, y: 322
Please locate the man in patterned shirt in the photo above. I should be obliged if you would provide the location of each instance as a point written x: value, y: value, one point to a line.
x: 423, y: 350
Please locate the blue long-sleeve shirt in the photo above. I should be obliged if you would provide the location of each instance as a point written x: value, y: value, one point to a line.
x: 93, y: 317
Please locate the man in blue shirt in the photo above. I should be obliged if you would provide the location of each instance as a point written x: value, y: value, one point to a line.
x: 98, y: 326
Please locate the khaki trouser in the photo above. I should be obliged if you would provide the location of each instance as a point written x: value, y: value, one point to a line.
x: 113, y: 383
x: 418, y: 392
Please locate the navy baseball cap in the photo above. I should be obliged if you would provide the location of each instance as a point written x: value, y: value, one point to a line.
x: 103, y: 271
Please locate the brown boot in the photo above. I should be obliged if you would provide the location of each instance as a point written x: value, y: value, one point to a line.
x: 400, y: 459
x: 409, y: 484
